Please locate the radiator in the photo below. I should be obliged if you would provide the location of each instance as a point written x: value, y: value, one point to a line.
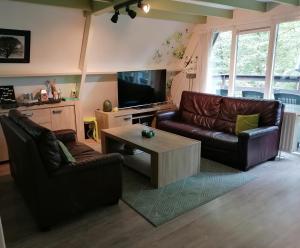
x: 288, y: 138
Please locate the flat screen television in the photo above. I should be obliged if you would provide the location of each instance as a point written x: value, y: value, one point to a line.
x: 138, y: 88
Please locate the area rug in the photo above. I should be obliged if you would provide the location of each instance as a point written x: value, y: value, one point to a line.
x: 161, y: 205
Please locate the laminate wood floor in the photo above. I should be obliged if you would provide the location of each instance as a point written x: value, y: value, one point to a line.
x: 263, y: 213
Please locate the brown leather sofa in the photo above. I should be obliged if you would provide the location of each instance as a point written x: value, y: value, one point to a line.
x: 53, y: 188
x: 211, y: 119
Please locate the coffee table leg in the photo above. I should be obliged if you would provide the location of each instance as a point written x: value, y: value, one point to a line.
x: 109, y: 144
x: 154, y: 170
x: 174, y: 165
x: 103, y: 143
x: 106, y: 144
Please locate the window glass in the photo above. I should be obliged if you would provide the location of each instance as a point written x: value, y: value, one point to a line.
x: 287, y: 63
x: 220, y: 62
x: 252, y: 52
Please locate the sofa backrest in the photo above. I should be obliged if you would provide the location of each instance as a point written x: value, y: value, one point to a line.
x: 25, y: 162
x: 220, y: 113
x: 199, y: 109
x: 269, y: 112
x: 45, y: 139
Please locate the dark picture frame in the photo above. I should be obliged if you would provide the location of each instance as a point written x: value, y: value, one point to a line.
x: 14, y: 46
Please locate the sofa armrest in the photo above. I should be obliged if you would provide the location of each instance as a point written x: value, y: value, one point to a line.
x: 84, y: 185
x: 258, y: 145
x: 257, y: 132
x: 66, y: 135
x: 97, y: 162
x: 166, y: 115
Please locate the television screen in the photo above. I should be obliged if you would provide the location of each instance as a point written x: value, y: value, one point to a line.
x: 136, y: 88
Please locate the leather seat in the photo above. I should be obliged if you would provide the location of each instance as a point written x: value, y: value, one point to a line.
x: 208, y: 137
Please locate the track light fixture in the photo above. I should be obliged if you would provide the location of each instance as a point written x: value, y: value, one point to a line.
x: 131, y: 12
x: 115, y: 17
x: 144, y: 6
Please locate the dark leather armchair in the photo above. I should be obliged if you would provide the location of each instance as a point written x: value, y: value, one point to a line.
x: 52, y: 188
x: 212, y: 119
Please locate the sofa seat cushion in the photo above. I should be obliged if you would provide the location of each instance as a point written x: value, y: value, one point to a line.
x: 210, y: 138
x: 81, y: 152
x: 224, y: 141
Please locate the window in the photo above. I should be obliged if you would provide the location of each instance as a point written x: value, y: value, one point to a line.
x: 251, y: 61
x: 220, y: 62
x: 286, y: 78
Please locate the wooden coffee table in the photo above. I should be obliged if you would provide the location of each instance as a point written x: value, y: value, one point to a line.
x: 173, y: 157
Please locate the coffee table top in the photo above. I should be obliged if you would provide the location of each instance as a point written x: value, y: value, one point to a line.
x: 162, y: 141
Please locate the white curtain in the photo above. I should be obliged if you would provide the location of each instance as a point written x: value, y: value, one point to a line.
x: 200, y: 46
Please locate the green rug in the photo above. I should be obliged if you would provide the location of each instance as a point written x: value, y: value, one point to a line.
x: 161, y: 205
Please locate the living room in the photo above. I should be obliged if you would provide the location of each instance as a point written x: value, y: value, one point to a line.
x: 149, y: 123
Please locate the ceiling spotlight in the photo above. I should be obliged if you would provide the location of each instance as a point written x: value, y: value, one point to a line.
x: 115, y: 17
x: 144, y: 6
x: 131, y: 12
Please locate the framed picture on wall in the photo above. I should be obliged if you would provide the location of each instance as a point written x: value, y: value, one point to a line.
x: 14, y: 46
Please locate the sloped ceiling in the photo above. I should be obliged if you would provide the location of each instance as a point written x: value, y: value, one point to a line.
x: 193, y: 11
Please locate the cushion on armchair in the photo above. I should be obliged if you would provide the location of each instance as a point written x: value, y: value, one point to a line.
x: 65, y: 153
x: 246, y: 122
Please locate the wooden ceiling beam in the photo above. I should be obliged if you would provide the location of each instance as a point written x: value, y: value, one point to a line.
x: 242, y: 4
x: 164, y: 15
x: 189, y: 9
x: 100, y: 7
x: 290, y: 2
x: 77, y: 4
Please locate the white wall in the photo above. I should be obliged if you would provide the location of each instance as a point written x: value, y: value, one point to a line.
x: 97, y: 89
x: 56, y: 45
x: 56, y: 36
x: 129, y: 44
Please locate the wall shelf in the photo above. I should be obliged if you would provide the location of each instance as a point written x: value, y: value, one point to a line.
x: 90, y: 73
x: 39, y: 74
x: 72, y: 73
x: 101, y: 73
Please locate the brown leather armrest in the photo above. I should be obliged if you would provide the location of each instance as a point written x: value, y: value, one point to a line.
x: 66, y: 135
x: 167, y: 115
x: 102, y: 160
x: 257, y: 132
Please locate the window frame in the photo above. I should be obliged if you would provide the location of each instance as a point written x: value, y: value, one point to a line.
x: 271, y: 26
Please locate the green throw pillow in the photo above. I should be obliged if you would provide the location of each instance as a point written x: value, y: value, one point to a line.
x: 246, y: 122
x: 66, y: 153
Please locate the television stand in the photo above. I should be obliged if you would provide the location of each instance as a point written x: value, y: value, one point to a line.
x: 144, y: 106
x: 124, y: 117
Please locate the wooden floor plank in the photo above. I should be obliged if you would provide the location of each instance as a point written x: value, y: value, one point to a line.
x: 263, y: 213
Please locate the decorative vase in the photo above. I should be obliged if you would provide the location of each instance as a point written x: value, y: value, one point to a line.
x: 107, y: 106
